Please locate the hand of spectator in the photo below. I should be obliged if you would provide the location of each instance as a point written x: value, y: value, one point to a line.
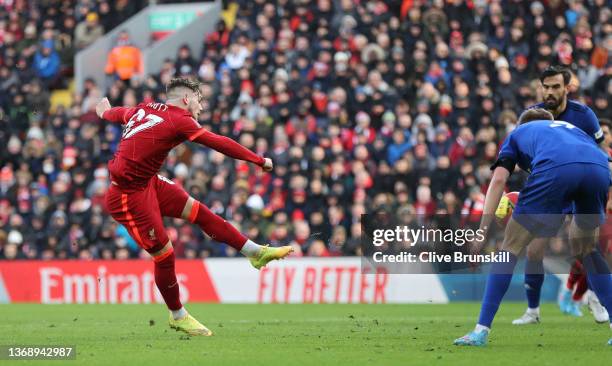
x: 102, y: 106
x: 267, y: 165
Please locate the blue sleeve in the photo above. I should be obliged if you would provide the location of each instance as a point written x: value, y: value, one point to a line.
x: 508, y: 154
x: 509, y: 149
x: 592, y: 127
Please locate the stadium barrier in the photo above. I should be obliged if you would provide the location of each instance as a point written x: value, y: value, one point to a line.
x: 233, y: 280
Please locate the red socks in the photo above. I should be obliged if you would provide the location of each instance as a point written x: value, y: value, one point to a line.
x: 213, y: 225
x: 165, y: 279
x: 217, y: 228
x: 574, y: 274
x: 581, y: 288
x: 578, y: 279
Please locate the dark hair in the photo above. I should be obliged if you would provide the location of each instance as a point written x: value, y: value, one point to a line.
x: 556, y: 70
x: 535, y: 114
x: 191, y: 84
x: 605, y: 122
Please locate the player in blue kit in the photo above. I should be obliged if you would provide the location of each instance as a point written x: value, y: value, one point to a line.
x: 555, y: 87
x: 566, y: 167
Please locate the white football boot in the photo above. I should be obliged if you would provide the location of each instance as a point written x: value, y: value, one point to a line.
x: 530, y: 317
x: 599, y: 312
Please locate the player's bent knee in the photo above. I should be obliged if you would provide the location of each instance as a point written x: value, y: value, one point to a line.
x: 513, y: 248
x: 163, y: 253
x: 583, y: 238
x: 516, y: 237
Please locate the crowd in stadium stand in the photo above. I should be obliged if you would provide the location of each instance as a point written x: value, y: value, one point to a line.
x: 362, y: 105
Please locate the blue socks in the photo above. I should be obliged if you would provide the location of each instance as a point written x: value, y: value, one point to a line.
x: 498, y: 281
x: 534, y: 278
x: 497, y: 285
x: 599, y: 279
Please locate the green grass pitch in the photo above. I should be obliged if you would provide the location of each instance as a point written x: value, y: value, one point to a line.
x: 303, y: 335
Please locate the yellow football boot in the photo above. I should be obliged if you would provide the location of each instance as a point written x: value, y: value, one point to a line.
x: 189, y: 325
x: 267, y: 254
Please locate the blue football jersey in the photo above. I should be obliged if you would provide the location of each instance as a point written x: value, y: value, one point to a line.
x: 580, y: 116
x: 540, y: 145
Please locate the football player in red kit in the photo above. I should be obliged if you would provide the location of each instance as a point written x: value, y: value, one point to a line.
x: 138, y: 197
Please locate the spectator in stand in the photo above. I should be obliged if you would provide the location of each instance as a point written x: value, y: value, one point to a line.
x: 88, y: 31
x: 185, y: 64
x: 124, y: 60
x: 398, y: 148
x: 47, y: 63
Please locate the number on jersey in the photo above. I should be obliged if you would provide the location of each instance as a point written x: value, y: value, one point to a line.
x: 562, y: 124
x: 134, y: 125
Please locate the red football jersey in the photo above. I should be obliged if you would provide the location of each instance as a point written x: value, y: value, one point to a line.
x: 150, y: 132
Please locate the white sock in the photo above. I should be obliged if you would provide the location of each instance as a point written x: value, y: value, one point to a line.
x: 479, y: 328
x: 177, y: 314
x: 534, y: 311
x: 250, y: 248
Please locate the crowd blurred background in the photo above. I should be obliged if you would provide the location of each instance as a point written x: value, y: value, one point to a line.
x: 362, y: 104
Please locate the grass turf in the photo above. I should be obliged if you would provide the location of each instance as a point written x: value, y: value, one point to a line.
x: 303, y: 334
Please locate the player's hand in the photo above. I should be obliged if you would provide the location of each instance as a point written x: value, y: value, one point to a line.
x: 267, y: 165
x: 102, y: 106
x: 476, y: 245
x: 609, y: 206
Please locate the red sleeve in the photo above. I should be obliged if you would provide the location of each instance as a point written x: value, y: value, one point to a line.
x: 187, y: 127
x: 119, y: 114
x: 226, y: 146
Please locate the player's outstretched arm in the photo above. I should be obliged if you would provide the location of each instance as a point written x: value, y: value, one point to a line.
x: 231, y: 148
x: 105, y: 111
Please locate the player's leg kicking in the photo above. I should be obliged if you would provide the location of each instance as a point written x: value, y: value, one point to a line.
x: 175, y: 202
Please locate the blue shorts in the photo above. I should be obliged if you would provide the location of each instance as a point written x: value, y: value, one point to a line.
x: 578, y: 188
